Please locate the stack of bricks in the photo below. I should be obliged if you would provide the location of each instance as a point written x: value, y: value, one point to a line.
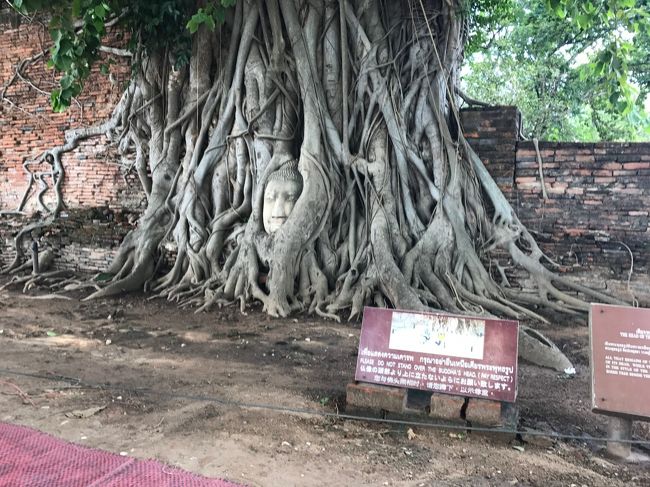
x: 493, y: 132
x: 400, y: 403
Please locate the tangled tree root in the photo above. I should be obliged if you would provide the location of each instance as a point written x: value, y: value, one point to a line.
x: 396, y: 208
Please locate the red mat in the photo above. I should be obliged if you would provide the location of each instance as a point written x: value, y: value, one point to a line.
x: 29, y: 458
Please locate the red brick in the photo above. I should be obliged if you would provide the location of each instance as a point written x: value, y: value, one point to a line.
x: 636, y: 165
x: 483, y: 412
x: 526, y: 153
x: 588, y: 158
x: 376, y: 397
x: 612, y: 165
x: 581, y: 172
x: 445, y: 406
x: 575, y: 232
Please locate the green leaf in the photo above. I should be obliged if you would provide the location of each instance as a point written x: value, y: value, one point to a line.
x: 209, y: 22
x: 613, y: 97
x: 192, y: 25
x: 51, y: 333
x: 583, y: 21
x: 623, y: 106
x: 104, y: 277
x: 99, y: 26
x: 203, y: 17
x: 66, y: 82
x: 56, y: 34
x: 100, y: 11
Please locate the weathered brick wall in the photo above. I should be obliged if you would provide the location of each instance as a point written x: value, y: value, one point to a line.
x: 595, y: 219
x: 598, y: 195
x: 28, y: 128
x: 83, y: 240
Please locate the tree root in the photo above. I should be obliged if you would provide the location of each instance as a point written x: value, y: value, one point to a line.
x: 32, y: 281
x: 396, y: 208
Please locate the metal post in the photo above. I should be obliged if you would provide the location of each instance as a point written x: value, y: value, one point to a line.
x: 619, y: 428
x: 34, y: 257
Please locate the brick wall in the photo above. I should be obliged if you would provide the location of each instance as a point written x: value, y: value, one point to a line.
x: 595, y: 219
x: 83, y: 239
x: 28, y: 127
x: 598, y: 194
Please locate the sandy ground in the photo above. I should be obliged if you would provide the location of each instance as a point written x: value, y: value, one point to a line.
x: 172, y: 383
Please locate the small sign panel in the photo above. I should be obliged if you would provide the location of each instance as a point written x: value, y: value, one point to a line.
x: 451, y: 354
x: 620, y: 359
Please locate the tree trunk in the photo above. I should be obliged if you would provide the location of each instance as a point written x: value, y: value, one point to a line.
x: 395, y: 208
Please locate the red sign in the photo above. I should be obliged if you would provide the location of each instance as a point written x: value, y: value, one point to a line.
x: 620, y: 359
x: 451, y: 354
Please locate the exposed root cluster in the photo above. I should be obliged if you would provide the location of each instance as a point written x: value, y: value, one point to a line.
x: 396, y: 208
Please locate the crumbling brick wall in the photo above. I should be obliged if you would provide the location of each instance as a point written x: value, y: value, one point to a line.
x: 494, y: 134
x: 598, y: 200
x: 594, y: 220
x: 82, y: 239
x: 28, y: 128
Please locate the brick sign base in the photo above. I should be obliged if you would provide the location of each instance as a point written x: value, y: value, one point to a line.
x: 398, y: 403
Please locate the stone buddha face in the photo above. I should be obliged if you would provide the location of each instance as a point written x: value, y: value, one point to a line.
x: 280, y: 195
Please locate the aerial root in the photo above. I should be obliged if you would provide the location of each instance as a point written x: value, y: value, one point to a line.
x: 32, y: 281
x: 132, y: 282
x: 401, y: 219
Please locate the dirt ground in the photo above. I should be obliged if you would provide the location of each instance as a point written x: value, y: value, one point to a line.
x: 199, y: 369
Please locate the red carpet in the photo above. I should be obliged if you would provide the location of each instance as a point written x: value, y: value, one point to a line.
x: 29, y: 458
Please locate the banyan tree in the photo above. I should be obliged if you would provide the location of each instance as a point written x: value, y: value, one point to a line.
x: 308, y: 155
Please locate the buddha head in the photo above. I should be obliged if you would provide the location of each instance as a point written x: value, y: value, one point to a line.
x: 280, y: 195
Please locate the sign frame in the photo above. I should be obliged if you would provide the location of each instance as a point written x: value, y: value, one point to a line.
x: 476, y: 357
x: 601, y: 390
